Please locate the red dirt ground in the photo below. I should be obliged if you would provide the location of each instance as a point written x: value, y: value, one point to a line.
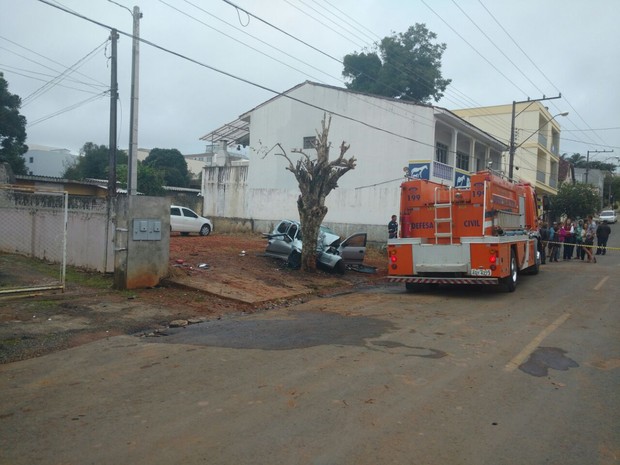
x: 229, y: 282
x: 234, y: 266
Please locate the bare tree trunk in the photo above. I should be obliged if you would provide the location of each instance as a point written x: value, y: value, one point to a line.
x: 316, y: 179
x: 311, y: 216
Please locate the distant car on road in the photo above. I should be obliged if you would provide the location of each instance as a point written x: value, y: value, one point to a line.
x: 608, y: 216
x: 185, y: 221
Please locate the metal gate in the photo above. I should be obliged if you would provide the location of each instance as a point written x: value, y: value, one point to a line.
x: 33, y: 239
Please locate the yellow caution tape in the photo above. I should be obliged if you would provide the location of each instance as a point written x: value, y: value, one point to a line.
x: 576, y: 244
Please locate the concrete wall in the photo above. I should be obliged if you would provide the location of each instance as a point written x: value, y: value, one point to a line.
x: 33, y: 225
x: 141, y: 263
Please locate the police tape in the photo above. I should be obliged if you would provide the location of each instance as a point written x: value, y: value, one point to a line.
x: 578, y: 244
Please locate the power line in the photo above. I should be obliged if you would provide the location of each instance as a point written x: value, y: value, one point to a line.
x: 344, y: 15
x: 53, y: 82
x: 404, y: 112
x: 100, y: 84
x: 11, y: 69
x: 322, y: 23
x: 474, y: 48
x: 233, y: 76
x: 574, y: 110
x: 496, y: 46
x: 69, y: 108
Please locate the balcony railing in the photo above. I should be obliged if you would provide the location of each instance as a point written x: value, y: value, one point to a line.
x: 443, y: 171
x: 541, y: 176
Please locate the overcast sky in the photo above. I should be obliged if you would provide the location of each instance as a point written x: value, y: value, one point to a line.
x: 497, y: 51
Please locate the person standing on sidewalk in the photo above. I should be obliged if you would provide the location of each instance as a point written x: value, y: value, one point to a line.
x: 589, y: 241
x: 543, y: 233
x: 393, y: 228
x: 602, y: 235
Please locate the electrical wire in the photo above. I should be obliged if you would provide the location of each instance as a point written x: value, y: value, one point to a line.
x: 238, y: 78
x: 322, y: 23
x: 400, y: 111
x: 99, y: 83
x: 69, y: 108
x: 14, y: 70
x: 68, y: 71
x: 341, y: 20
x: 573, y: 109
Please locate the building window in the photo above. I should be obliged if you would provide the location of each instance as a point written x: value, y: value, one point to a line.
x: 309, y: 142
x: 441, y: 153
x: 462, y: 161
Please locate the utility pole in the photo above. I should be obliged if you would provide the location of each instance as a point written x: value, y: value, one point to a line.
x: 132, y: 171
x: 113, y: 100
x: 588, y: 159
x: 513, y: 148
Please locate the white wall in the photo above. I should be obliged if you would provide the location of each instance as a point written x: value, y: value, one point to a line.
x: 47, y: 161
x: 367, y: 194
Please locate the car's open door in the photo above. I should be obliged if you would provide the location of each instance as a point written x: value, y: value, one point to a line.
x: 353, y: 249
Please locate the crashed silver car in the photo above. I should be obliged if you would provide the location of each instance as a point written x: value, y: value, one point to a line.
x: 285, y: 242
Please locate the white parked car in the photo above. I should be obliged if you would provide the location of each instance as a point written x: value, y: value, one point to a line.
x: 608, y: 216
x: 185, y: 221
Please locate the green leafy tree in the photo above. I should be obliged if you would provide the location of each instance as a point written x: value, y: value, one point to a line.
x: 171, y: 164
x: 582, y: 161
x: 150, y: 180
x: 406, y: 66
x: 94, y: 162
x: 12, y: 130
x: 575, y: 201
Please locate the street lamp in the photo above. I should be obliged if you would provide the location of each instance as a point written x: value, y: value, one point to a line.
x: 514, y: 147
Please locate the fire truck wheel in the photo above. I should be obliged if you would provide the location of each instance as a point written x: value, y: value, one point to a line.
x: 413, y: 287
x: 511, y: 279
x: 534, y: 269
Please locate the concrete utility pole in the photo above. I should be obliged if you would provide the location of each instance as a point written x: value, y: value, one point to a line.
x: 113, y: 100
x: 132, y: 172
x: 513, y: 148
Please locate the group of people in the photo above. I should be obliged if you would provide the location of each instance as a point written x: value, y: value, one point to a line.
x: 574, y: 239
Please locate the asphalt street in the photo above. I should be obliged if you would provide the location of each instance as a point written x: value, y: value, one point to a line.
x: 455, y: 375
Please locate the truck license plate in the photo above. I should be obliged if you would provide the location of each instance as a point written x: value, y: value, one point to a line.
x: 477, y: 272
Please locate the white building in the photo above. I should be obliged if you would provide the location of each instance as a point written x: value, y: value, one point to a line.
x: 48, y: 161
x: 385, y: 135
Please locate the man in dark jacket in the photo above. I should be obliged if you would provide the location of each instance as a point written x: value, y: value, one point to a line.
x: 602, y: 235
x: 543, y: 239
x: 393, y: 228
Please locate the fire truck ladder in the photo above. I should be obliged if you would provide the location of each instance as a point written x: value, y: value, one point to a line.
x: 440, y: 210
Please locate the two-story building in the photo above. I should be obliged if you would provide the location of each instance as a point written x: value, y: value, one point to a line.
x: 536, y: 140
x: 387, y: 137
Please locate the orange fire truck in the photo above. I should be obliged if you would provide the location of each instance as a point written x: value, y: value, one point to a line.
x: 485, y: 233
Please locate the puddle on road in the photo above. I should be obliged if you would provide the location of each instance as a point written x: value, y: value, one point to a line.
x: 544, y: 358
x: 296, y: 331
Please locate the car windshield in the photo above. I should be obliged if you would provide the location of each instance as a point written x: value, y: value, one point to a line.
x: 607, y: 213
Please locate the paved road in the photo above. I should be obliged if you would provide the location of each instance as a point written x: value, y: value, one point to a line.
x: 452, y: 376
